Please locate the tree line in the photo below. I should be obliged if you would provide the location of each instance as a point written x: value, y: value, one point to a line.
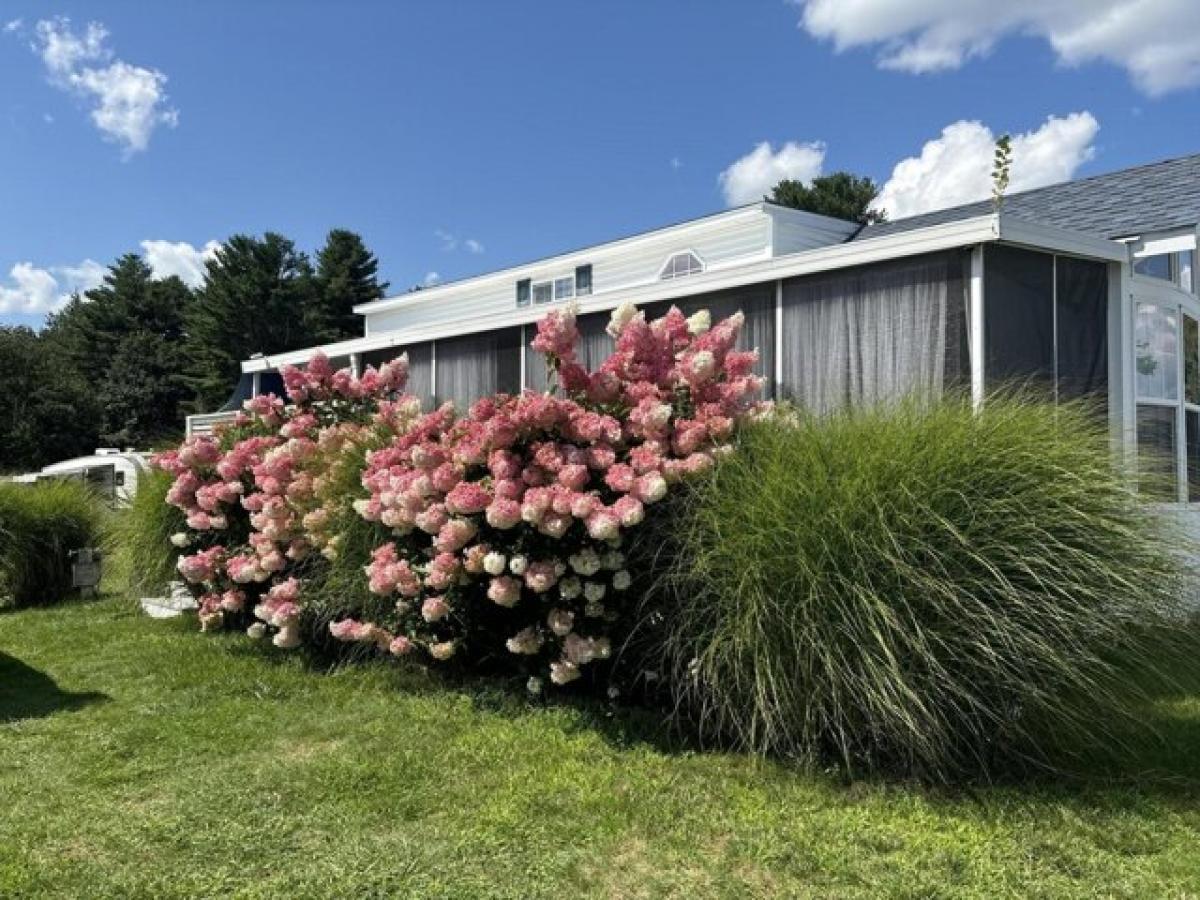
x: 124, y: 363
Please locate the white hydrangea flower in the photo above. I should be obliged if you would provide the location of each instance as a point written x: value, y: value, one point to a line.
x: 561, y: 621
x: 257, y: 631
x: 570, y: 588
x: 622, y: 580
x: 586, y: 562
x: 613, y: 560
x: 527, y: 641
x: 494, y: 563
x: 181, y: 539
x: 563, y: 672
x: 700, y: 322
x: 621, y: 316
x: 518, y: 564
x: 594, y: 591
x: 534, y: 686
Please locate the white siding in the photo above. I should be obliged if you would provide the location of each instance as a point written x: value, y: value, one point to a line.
x: 728, y: 239
x: 796, y: 231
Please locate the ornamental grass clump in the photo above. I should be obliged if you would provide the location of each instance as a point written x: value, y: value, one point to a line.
x: 919, y: 591
x: 142, y: 537
x: 40, y: 524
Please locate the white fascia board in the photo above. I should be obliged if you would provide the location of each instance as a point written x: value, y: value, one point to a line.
x: 1061, y: 240
x: 341, y: 348
x: 597, y: 252
x: 1174, y: 241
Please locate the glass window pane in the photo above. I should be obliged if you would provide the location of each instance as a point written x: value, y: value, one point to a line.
x: 543, y: 292
x: 1156, y: 452
x: 1154, y: 266
x: 1187, y: 269
x: 523, y: 292
x: 1191, y: 360
x: 1193, y: 456
x: 583, y: 280
x: 564, y: 288
x: 1155, y: 341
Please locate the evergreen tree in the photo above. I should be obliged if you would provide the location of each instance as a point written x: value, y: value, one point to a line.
x: 143, y: 392
x: 47, y: 412
x: 347, y: 275
x: 253, y: 300
x: 90, y: 335
x: 841, y: 195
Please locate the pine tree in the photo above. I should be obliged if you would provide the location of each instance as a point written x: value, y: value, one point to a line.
x: 104, y: 337
x: 840, y: 194
x: 47, y: 412
x: 347, y: 275
x: 253, y: 300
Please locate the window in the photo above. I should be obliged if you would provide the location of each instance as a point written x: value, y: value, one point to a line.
x: 1154, y: 266
x: 583, y: 280
x: 1156, y: 349
x: 523, y: 292
x: 1167, y: 372
x: 564, y: 288
x: 681, y: 264
x: 1178, y: 268
x: 543, y: 292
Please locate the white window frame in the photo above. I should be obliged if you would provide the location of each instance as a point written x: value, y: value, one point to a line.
x: 557, y: 281
x: 547, y: 283
x: 662, y: 270
x: 1172, y: 298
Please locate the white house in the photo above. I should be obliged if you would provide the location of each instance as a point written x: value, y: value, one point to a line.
x: 1087, y: 288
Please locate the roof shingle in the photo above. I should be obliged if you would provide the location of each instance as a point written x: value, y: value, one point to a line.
x: 1153, y: 197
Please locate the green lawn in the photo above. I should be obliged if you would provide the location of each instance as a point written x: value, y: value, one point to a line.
x: 140, y: 759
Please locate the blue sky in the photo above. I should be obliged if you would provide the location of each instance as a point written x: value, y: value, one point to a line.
x: 461, y: 137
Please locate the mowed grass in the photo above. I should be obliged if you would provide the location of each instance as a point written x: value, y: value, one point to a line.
x: 140, y: 759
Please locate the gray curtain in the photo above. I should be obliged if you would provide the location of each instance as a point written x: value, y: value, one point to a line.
x: 477, y: 365
x: 874, y: 334
x: 420, y: 368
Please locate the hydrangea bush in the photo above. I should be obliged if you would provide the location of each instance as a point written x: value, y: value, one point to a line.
x: 501, y: 531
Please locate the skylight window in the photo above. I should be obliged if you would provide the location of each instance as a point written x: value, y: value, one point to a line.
x: 680, y: 265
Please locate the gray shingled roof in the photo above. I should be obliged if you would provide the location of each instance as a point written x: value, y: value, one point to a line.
x: 1152, y: 197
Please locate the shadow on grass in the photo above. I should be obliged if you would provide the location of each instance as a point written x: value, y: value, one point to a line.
x: 26, y: 693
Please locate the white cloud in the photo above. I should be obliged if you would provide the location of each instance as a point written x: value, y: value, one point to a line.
x: 34, y: 290
x: 957, y: 167
x: 750, y: 178
x: 676, y: 163
x: 450, y: 242
x: 1155, y: 41
x: 13, y: 25
x: 431, y: 278
x: 127, y: 102
x: 167, y: 258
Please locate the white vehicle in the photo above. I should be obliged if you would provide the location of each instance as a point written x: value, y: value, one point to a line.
x: 111, y: 472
